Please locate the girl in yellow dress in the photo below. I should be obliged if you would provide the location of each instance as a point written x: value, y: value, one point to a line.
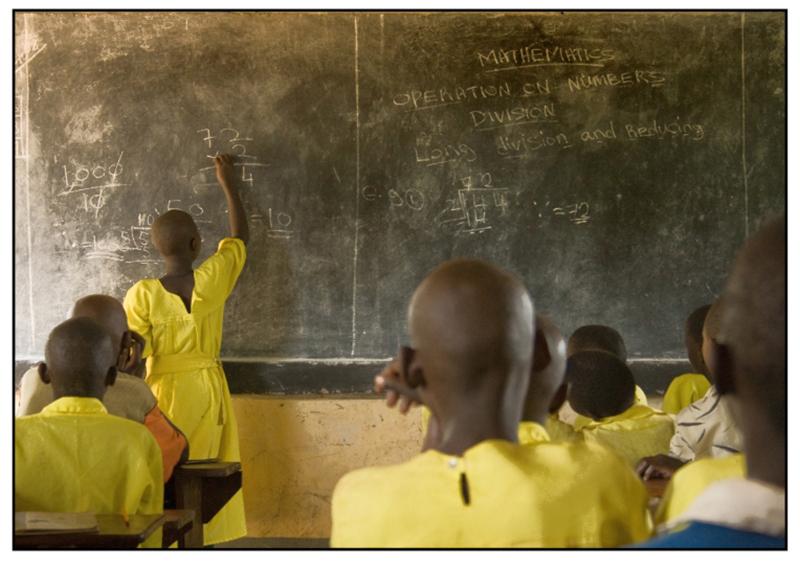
x: 180, y: 317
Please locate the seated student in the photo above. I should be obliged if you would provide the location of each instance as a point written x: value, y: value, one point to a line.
x: 471, y: 326
x: 705, y: 428
x: 129, y: 397
x: 601, y: 388
x: 692, y: 479
x: 748, y: 361
x: 75, y: 457
x: 549, y: 365
x: 549, y: 356
x: 689, y: 387
x: 596, y: 337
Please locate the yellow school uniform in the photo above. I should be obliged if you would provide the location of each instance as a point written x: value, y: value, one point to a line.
x: 73, y: 457
x: 683, y: 391
x: 579, y: 421
x: 639, y: 396
x: 638, y: 432
x: 558, y: 430
x: 527, y: 432
x: 536, y: 495
x: 184, y: 371
x: 692, y: 479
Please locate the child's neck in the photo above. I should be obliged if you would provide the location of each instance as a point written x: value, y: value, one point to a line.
x: 471, y: 425
x: 535, y: 411
x: 765, y: 451
x: 177, y: 266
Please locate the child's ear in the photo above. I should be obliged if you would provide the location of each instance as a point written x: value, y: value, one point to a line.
x: 194, y: 244
x: 411, y: 370
x: 42, y: 371
x: 111, y: 376
x: 124, y: 350
x: 541, y: 352
x: 720, y: 364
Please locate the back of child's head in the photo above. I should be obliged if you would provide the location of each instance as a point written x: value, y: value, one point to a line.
x: 600, y: 384
x: 712, y: 324
x: 106, y: 311
x: 754, y: 324
x: 597, y: 337
x: 693, y: 338
x: 472, y: 319
x: 712, y: 327
x: 80, y: 358
x: 172, y: 234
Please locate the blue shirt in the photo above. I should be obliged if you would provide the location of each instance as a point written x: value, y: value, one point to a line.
x: 706, y: 535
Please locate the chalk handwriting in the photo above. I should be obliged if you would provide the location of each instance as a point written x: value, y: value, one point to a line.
x: 411, y: 199
x: 588, y: 81
x: 514, y: 116
x: 577, y: 213
x: 540, y: 55
x: 230, y: 140
x: 429, y: 153
x: 660, y: 130
x: 92, y: 177
x: 521, y: 145
x: 278, y: 223
x: 469, y: 211
x: 443, y: 96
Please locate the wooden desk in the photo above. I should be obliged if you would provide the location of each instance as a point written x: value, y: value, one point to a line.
x: 656, y: 488
x: 112, y: 532
x: 205, y: 488
x: 177, y: 524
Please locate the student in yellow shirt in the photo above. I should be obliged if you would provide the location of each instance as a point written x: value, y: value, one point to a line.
x: 689, y: 387
x: 596, y: 337
x: 471, y: 327
x: 549, y: 365
x: 129, y: 397
x: 601, y: 388
x: 692, y: 479
x: 549, y: 362
x: 180, y: 317
x: 75, y: 457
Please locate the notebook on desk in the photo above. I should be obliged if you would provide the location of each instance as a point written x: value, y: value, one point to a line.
x: 41, y: 522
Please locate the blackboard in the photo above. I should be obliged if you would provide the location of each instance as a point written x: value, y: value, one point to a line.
x: 615, y: 161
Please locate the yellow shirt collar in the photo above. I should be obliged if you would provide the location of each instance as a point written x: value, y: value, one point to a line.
x: 75, y: 405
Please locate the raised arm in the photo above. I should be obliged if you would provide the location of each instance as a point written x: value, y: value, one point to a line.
x: 236, y: 215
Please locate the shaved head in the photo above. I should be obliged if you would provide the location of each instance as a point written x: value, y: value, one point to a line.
x: 471, y: 324
x: 712, y: 325
x: 693, y: 329
x: 80, y: 359
x: 547, y: 371
x: 105, y: 311
x: 597, y: 337
x: 754, y: 323
x: 600, y: 384
x: 172, y: 234
x: 693, y: 338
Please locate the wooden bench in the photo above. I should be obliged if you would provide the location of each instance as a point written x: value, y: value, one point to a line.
x: 113, y: 531
x: 205, y: 487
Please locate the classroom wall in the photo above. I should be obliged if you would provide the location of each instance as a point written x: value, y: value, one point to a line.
x: 295, y: 449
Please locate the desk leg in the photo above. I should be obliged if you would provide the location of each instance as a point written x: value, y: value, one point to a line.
x: 189, y: 495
